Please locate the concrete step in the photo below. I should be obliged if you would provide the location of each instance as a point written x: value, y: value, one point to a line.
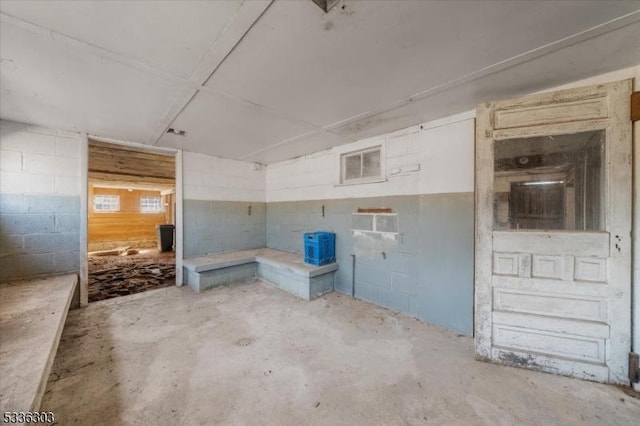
x: 32, y: 315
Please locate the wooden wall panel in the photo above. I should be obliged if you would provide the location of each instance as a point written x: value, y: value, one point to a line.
x: 127, y: 225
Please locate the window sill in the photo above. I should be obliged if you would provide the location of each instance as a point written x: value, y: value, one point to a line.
x: 361, y: 182
x: 376, y: 235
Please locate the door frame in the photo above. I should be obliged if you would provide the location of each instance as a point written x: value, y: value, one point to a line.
x: 84, y: 200
x: 485, y: 119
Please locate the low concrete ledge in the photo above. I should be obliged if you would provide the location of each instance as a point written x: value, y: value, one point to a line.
x: 282, y: 269
x: 293, y: 262
x: 219, y: 261
x: 32, y: 316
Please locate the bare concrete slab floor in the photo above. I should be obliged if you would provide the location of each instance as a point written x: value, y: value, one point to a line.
x: 252, y: 354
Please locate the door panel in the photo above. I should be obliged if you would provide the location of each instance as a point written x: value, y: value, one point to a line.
x: 591, y: 244
x: 553, y: 224
x: 573, y: 107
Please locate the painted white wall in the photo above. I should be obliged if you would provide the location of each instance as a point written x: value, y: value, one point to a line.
x: 443, y: 149
x: 38, y: 161
x: 212, y: 178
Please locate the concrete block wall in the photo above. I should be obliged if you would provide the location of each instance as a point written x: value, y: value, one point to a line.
x: 215, y: 226
x: 443, y: 150
x: 427, y: 270
x: 426, y: 273
x: 39, y: 201
x: 224, y: 205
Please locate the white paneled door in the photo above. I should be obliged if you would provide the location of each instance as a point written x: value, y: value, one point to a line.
x: 553, y: 232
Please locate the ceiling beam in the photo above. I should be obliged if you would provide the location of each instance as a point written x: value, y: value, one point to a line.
x: 334, y: 128
x: 612, y: 25
x: 88, y: 47
x: 131, y: 184
x: 246, y: 16
x: 293, y: 139
x: 126, y: 180
x: 273, y: 112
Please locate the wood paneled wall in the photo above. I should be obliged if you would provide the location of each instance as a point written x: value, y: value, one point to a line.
x: 126, y: 227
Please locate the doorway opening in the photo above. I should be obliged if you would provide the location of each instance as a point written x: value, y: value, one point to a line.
x: 131, y: 217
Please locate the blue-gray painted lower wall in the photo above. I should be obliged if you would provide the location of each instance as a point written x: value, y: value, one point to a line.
x: 39, y: 235
x: 221, y: 226
x: 428, y: 273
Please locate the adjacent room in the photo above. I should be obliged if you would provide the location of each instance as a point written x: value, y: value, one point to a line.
x: 131, y: 221
x: 320, y: 212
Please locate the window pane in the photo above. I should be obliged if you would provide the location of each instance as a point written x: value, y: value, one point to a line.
x: 352, y: 167
x: 106, y: 203
x: 150, y: 204
x: 550, y: 182
x: 371, y: 164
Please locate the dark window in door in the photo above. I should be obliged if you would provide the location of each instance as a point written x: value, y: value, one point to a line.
x: 537, y: 205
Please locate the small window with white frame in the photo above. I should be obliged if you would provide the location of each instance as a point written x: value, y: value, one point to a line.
x: 151, y: 204
x: 361, y: 166
x: 106, y: 203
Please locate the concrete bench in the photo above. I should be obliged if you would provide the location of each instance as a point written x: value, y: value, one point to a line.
x: 282, y: 269
x: 32, y: 315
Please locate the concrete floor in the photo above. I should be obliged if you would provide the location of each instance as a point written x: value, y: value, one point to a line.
x: 252, y: 354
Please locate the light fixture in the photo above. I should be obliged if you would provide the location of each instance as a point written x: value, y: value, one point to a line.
x: 176, y: 132
x: 544, y: 182
x: 326, y: 4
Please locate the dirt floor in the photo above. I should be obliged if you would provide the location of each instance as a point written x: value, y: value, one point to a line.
x: 252, y: 354
x: 113, y: 276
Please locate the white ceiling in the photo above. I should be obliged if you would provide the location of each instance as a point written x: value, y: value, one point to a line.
x: 267, y: 81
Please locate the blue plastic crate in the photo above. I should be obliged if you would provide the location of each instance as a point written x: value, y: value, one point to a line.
x: 319, y: 248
